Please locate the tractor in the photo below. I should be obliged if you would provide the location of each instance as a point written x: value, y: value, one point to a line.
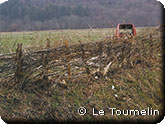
x: 125, y: 31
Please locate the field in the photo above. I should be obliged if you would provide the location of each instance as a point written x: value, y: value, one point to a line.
x: 37, y: 39
x: 57, y: 72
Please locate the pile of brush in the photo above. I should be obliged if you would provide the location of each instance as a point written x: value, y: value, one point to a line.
x: 96, y: 60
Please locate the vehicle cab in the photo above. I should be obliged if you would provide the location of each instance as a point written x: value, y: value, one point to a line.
x: 125, y: 30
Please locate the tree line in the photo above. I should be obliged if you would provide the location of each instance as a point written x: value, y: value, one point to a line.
x: 18, y: 15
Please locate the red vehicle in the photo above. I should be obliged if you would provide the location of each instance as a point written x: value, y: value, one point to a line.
x: 124, y: 30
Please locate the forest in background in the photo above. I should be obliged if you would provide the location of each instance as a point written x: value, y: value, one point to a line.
x: 29, y: 15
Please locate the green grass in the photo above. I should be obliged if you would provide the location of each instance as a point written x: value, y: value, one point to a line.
x: 38, y: 39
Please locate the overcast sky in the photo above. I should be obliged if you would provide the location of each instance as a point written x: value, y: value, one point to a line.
x: 1, y: 1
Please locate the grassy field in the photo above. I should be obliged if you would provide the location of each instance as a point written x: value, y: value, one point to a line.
x: 134, y: 80
x: 57, y: 38
x: 38, y: 39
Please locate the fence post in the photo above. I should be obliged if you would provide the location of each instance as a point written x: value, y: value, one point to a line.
x: 44, y: 64
x: 68, y: 66
x: 100, y: 52
x: 19, y: 61
x: 69, y: 71
x: 82, y: 50
x: 83, y: 59
x: 48, y: 44
x: 66, y: 43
